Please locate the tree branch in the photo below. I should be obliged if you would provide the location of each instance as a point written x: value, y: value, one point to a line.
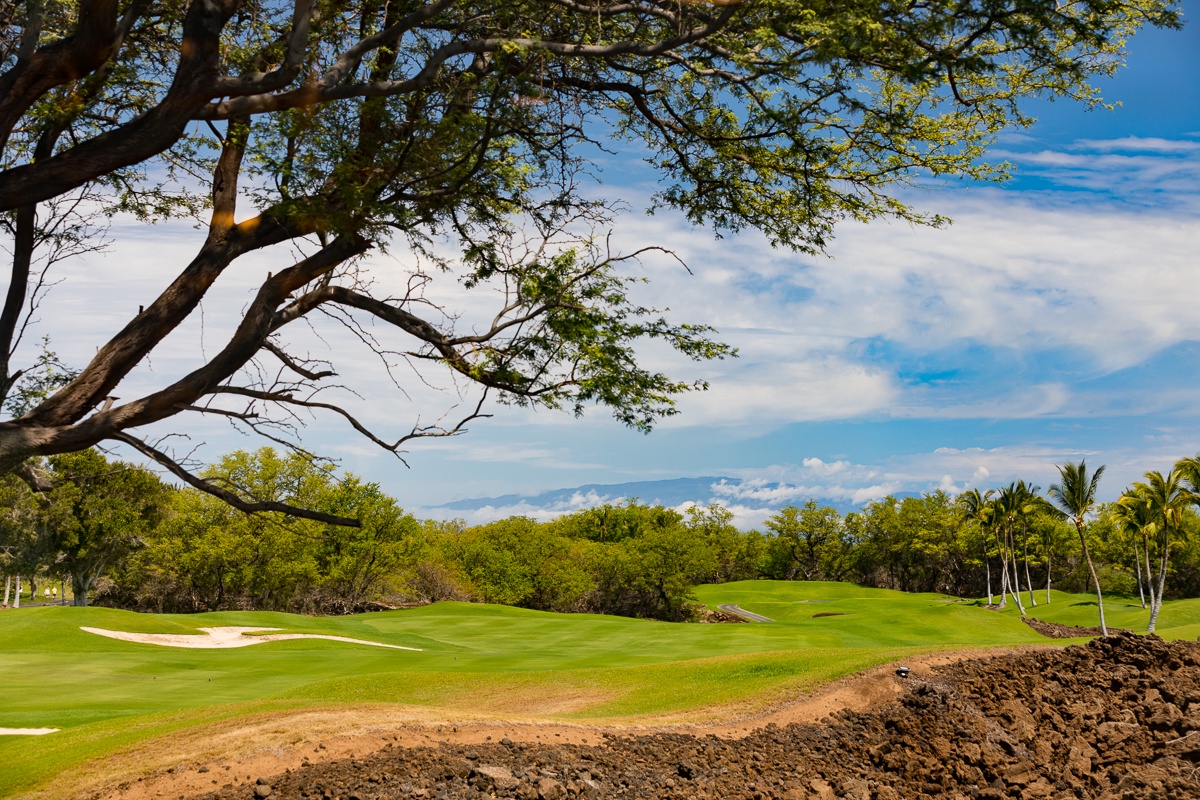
x: 247, y: 506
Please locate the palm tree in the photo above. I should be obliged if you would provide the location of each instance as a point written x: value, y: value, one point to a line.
x: 1052, y: 538
x: 1075, y: 497
x: 1189, y: 469
x: 1166, y: 498
x: 1028, y: 503
x: 1132, y: 513
x: 996, y: 518
x: 977, y: 507
x: 1010, y: 503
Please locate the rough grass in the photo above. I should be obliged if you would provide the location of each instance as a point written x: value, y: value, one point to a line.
x: 110, y: 695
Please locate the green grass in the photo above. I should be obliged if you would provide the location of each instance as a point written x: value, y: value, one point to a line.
x: 110, y: 695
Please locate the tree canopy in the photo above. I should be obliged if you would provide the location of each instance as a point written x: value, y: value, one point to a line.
x: 460, y: 135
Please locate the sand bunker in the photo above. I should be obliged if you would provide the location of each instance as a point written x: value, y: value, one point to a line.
x: 227, y: 636
x: 27, y: 731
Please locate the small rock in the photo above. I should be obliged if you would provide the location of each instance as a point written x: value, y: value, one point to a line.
x: 550, y: 789
x: 489, y: 776
x: 262, y: 791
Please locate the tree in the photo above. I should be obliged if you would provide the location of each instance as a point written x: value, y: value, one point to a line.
x: 1165, y: 499
x: 1030, y: 504
x: 1054, y: 536
x: 978, y: 508
x: 807, y: 542
x: 1075, y: 497
x: 909, y: 544
x: 1008, y: 506
x: 354, y: 563
x: 737, y: 556
x: 436, y: 126
x: 206, y: 556
x: 1132, y: 514
x: 98, y: 512
x: 24, y: 544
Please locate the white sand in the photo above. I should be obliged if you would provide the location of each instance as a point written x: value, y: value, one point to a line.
x: 227, y: 636
x: 27, y: 731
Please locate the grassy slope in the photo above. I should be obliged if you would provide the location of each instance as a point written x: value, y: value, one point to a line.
x: 113, y: 694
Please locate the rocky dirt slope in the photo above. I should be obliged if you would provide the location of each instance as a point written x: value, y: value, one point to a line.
x: 1117, y: 718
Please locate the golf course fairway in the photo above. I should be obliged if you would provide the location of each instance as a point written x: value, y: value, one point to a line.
x: 109, y: 696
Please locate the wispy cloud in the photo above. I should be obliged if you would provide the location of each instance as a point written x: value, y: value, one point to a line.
x: 1138, y: 144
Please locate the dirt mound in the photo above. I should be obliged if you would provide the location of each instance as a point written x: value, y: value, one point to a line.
x: 1117, y: 718
x: 1056, y: 630
x: 716, y: 615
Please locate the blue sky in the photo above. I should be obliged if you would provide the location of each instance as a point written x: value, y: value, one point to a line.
x: 1058, y: 318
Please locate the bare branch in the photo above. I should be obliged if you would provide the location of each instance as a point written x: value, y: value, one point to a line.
x: 417, y: 432
x: 247, y: 506
x: 294, y: 365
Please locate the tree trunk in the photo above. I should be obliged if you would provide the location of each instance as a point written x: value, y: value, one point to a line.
x: 1028, y: 580
x: 1003, y: 570
x: 17, y: 599
x: 1162, y: 585
x: 1149, y: 572
x: 1015, y: 586
x: 1095, y: 578
x: 7, y: 589
x: 1137, y: 565
x: 1049, y: 563
x: 80, y: 584
x: 987, y: 565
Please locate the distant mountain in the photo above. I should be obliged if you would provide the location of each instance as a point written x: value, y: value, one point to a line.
x: 751, y: 500
x: 674, y: 492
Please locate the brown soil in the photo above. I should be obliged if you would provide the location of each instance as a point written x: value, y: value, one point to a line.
x: 1056, y: 630
x: 1116, y: 718
x: 829, y: 614
x: 716, y: 615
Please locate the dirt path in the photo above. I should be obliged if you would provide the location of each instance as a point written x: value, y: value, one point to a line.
x: 242, y: 751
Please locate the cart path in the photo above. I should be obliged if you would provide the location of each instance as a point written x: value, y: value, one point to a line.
x: 734, y: 608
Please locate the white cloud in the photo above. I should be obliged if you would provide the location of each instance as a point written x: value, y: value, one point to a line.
x: 1143, y: 144
x: 771, y: 393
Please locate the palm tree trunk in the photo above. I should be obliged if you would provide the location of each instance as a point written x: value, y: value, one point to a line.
x: 1162, y: 585
x: 1028, y: 580
x: 987, y: 564
x: 1137, y: 565
x: 1095, y: 578
x: 1149, y: 572
x: 1015, y: 587
x: 1049, y: 563
x: 1003, y: 570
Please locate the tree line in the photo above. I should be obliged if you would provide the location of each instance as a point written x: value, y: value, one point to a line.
x: 122, y: 537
